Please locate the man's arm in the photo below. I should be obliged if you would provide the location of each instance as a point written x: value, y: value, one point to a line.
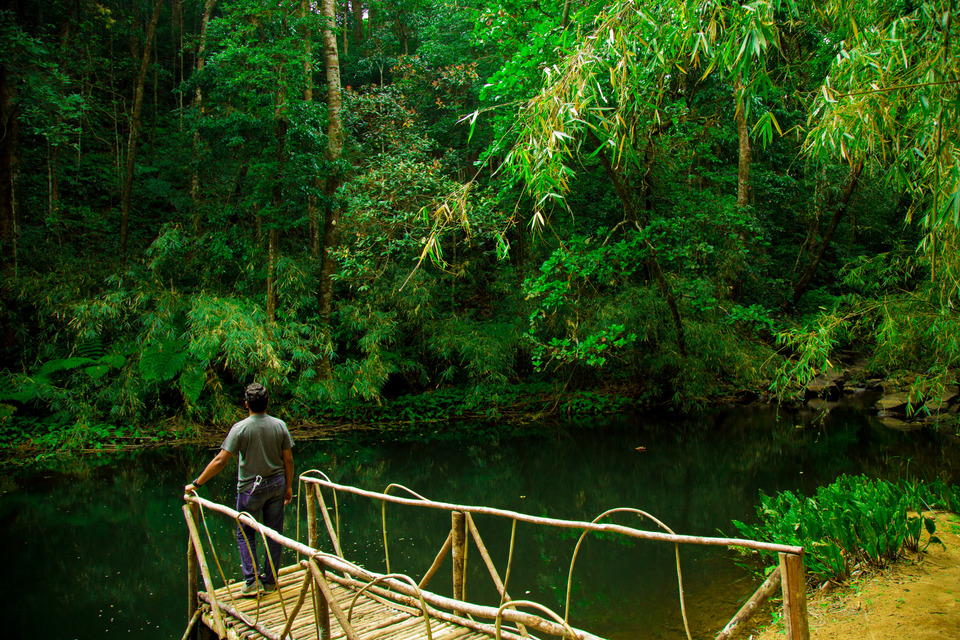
x: 288, y: 473
x: 214, y: 467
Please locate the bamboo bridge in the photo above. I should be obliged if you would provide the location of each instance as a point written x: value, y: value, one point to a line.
x: 366, y: 605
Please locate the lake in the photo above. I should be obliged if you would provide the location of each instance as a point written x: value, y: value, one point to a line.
x: 97, y: 547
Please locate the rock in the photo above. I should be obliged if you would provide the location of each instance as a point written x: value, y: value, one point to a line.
x: 893, y: 402
x: 950, y: 393
x: 825, y: 386
x: 942, y: 402
x: 900, y: 425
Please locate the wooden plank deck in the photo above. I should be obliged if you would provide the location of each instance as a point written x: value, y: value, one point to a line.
x: 373, y: 617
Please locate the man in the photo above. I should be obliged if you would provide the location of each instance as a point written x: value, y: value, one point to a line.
x: 264, y: 483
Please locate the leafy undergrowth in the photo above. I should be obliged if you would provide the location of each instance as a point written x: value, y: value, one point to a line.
x: 853, y: 522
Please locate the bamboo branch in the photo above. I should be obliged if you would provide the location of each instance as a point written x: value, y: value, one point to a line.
x: 767, y: 589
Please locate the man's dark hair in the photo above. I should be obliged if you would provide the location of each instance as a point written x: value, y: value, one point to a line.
x: 256, y: 397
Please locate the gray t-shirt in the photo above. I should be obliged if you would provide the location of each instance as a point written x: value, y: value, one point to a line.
x: 260, y: 441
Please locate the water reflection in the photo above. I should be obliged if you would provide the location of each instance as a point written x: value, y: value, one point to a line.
x: 97, y: 550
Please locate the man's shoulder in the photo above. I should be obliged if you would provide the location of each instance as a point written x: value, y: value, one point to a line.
x: 284, y: 432
x: 275, y: 420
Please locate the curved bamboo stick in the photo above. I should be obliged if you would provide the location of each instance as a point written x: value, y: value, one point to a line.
x: 576, y: 550
x: 571, y: 524
x: 398, y: 576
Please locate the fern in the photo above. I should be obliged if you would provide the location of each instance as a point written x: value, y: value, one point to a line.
x: 161, y: 361
x: 191, y: 382
x: 91, y: 348
x: 62, y: 364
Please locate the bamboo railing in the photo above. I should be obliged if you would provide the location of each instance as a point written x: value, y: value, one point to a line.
x: 793, y: 588
x: 323, y: 569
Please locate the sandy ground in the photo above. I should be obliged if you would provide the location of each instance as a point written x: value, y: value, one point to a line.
x: 917, y: 599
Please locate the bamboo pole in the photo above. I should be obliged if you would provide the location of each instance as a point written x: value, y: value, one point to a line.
x: 326, y: 519
x: 767, y: 589
x: 190, y: 625
x: 221, y: 628
x: 437, y: 561
x: 486, y: 558
x: 296, y: 608
x: 312, y: 533
x: 566, y: 524
x: 458, y: 535
x: 323, y: 611
x: 794, y: 597
x: 332, y: 602
x: 193, y: 604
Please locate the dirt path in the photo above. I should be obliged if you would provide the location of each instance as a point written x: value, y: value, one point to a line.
x: 918, y: 599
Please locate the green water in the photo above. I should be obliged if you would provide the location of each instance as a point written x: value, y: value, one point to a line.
x: 97, y: 549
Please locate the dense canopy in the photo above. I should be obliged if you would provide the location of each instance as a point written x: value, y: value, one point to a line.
x: 405, y: 212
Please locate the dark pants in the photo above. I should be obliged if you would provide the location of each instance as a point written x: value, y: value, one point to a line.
x: 265, y: 505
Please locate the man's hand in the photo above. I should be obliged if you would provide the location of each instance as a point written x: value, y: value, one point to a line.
x: 190, y: 488
x: 288, y: 472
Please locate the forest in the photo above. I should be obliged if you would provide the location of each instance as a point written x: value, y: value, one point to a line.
x: 409, y: 213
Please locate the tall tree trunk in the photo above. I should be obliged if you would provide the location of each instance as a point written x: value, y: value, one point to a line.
x: 198, y: 105
x: 135, y: 130
x: 735, y: 267
x: 9, y: 139
x: 53, y: 186
x: 331, y: 229
x: 746, y: 153
x: 313, y: 216
x: 357, y: 7
x: 804, y: 283
x: 346, y: 12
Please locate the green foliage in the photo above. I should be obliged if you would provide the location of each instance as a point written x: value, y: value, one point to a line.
x: 854, y: 520
x: 621, y: 114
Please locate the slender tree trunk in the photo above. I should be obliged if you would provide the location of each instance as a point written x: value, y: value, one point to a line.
x: 746, y: 153
x: 346, y: 12
x: 804, y: 283
x: 198, y: 105
x: 565, y: 20
x: 127, y: 190
x: 9, y: 139
x: 621, y: 186
x: 331, y: 229
x: 273, y: 255
x: 53, y: 186
x: 736, y: 265
x: 280, y: 134
x: 313, y: 216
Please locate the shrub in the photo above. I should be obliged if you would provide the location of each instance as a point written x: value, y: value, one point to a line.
x: 854, y: 520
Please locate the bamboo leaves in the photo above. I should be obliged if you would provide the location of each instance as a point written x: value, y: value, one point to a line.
x: 891, y: 93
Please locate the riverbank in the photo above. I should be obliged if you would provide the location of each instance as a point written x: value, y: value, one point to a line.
x: 918, y: 598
